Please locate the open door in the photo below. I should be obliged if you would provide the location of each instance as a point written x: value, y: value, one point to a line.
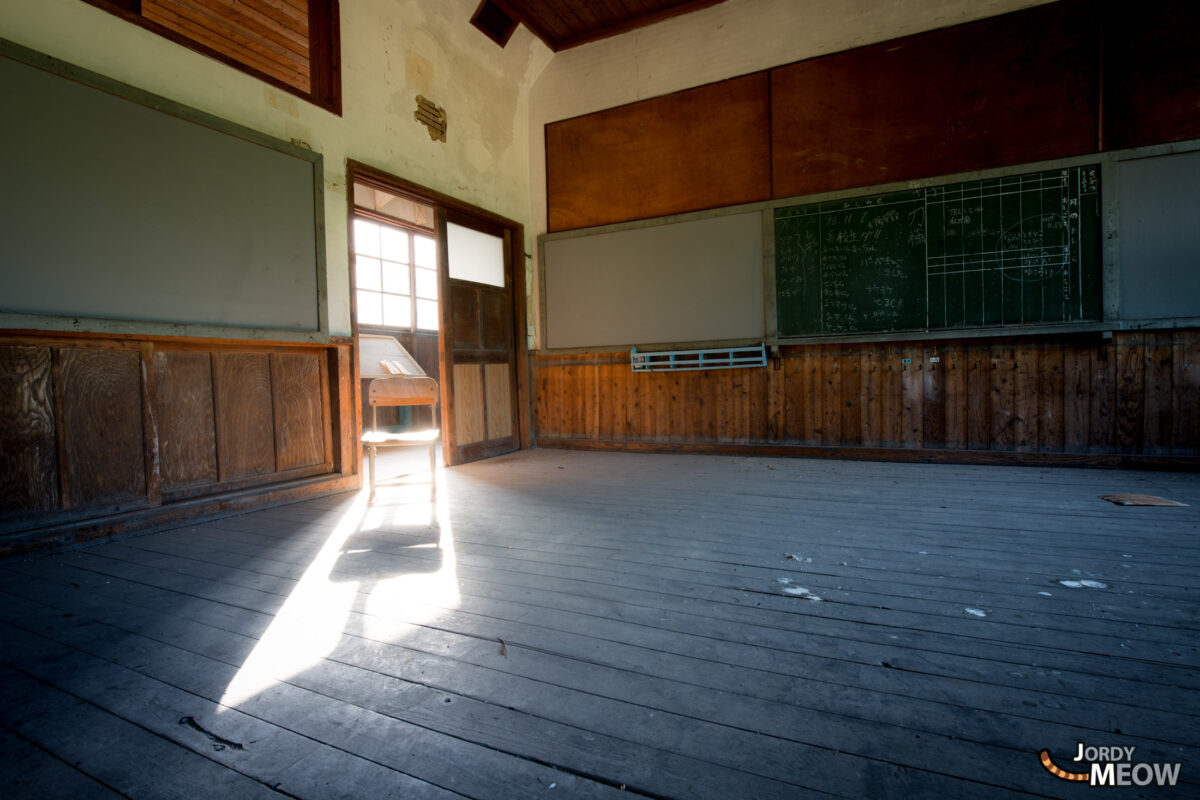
x: 479, y: 389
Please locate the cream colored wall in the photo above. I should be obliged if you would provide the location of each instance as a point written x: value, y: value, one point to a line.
x: 733, y: 38
x: 392, y: 50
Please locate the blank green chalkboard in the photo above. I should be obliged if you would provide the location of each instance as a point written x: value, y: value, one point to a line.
x: 1013, y: 250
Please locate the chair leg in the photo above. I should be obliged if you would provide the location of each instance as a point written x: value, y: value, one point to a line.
x: 371, y: 470
x: 432, y: 470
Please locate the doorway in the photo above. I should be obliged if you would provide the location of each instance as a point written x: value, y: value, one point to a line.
x: 446, y: 279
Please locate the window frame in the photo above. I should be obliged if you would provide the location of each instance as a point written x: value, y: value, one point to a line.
x: 324, y: 49
x: 412, y: 231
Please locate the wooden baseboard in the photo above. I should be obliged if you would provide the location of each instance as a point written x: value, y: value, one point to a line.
x: 912, y: 456
x: 39, y: 541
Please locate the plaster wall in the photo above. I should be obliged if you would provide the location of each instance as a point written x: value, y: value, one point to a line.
x: 392, y: 50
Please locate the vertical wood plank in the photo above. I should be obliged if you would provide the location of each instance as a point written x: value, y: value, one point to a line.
x: 183, y: 403
x: 756, y: 403
x: 776, y: 400
x: 912, y: 396
x: 662, y: 406
x: 933, y: 397
x: 298, y: 399
x: 850, y: 399
x: 29, y: 482
x: 620, y: 397
x: 1104, y: 395
x: 955, y: 369
x: 979, y: 396
x: 677, y: 417
x: 1159, y: 391
x: 151, y: 453
x: 831, y: 394
x: 892, y: 413
x: 1077, y: 401
x: 1025, y: 419
x: 813, y: 396
x: 102, y: 444
x: 871, y: 396
x: 244, y: 413
x: 1130, y: 391
x: 592, y: 371
x: 341, y: 365
x: 1003, y: 398
x: 1050, y: 398
x: 793, y: 401
x: 1186, y: 380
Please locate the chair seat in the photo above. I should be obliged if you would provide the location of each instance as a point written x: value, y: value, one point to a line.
x: 400, y: 439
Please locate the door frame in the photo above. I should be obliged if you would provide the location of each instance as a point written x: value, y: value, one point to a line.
x: 516, y: 265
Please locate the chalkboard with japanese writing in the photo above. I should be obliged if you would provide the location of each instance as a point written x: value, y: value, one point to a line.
x: 1012, y: 250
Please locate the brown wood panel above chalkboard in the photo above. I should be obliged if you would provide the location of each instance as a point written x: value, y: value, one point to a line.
x: 1151, y: 72
x: 1014, y: 89
x: 701, y: 148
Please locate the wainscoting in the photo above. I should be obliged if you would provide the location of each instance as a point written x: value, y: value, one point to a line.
x: 100, y: 434
x: 1081, y: 398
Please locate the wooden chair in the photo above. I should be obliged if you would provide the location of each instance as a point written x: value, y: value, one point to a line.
x: 397, y: 380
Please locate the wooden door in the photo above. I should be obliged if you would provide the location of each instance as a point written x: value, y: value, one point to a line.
x: 478, y: 339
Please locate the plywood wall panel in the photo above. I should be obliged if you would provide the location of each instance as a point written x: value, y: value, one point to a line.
x: 99, y: 402
x: 468, y: 404
x: 244, y: 412
x: 702, y: 148
x: 298, y: 392
x: 183, y: 403
x: 1008, y: 90
x: 498, y: 400
x: 28, y: 452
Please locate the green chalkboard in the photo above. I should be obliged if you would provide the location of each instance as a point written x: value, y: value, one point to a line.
x: 1013, y: 250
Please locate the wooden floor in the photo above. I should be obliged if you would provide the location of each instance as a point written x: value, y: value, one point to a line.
x: 612, y: 625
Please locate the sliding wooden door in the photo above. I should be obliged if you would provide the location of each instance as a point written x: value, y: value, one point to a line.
x: 479, y: 391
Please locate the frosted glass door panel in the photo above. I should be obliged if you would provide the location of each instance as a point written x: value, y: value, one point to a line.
x: 474, y: 255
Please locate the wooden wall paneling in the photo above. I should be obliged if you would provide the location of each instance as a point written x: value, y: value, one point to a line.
x: 1186, y: 380
x: 342, y: 365
x: 692, y: 417
x: 849, y: 399
x: 891, y: 413
x: 661, y: 403
x: 871, y: 396
x: 677, y: 428
x: 979, y: 395
x: 1003, y: 396
x: 1013, y: 89
x: 1026, y: 415
x: 1158, y: 388
x: 792, y: 422
x: 1104, y: 396
x: 1077, y: 397
x: 912, y: 397
x: 151, y: 453
x: 498, y: 400
x: 775, y: 399
x: 1151, y: 73
x: 627, y: 163
x: 183, y: 403
x: 98, y: 399
x: 298, y: 395
x: 813, y: 397
x: 606, y: 388
x: 1130, y: 392
x: 756, y: 404
x: 244, y: 412
x: 1051, y: 391
x: 933, y: 397
x: 468, y: 404
x: 29, y: 483
x: 831, y: 391
x: 954, y: 372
